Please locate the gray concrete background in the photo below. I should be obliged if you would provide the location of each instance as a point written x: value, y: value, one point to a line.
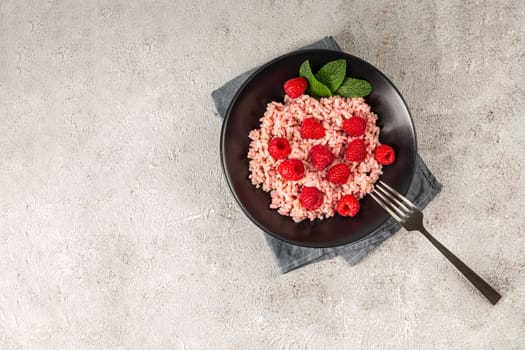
x: 117, y: 230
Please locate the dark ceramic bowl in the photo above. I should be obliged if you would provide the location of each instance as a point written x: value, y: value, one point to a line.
x: 249, y: 104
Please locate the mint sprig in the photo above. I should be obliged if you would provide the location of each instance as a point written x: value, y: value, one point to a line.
x: 330, y: 80
x: 353, y: 87
x: 332, y: 74
x: 315, y: 87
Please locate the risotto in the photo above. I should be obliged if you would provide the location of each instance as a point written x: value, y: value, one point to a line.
x: 284, y: 120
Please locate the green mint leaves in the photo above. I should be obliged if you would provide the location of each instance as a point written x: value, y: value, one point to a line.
x: 352, y: 87
x: 332, y: 74
x: 315, y: 87
x: 330, y: 80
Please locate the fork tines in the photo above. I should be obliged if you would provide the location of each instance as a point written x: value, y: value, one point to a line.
x: 393, y: 202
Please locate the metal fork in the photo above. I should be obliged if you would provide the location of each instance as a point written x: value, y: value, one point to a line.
x: 411, y: 218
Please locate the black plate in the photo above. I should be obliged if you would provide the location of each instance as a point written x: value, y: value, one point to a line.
x: 249, y: 104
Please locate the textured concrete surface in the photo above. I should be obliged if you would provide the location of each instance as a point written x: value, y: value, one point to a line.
x: 116, y: 227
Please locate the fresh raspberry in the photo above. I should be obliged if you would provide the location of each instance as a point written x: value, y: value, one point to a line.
x: 348, y: 206
x: 311, y: 198
x: 312, y: 129
x: 356, y: 151
x: 291, y: 169
x: 295, y: 87
x: 279, y: 148
x: 354, y: 126
x: 321, y: 157
x: 338, y: 174
x: 384, y: 154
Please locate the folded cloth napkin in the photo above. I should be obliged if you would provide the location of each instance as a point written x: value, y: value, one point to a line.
x: 287, y: 256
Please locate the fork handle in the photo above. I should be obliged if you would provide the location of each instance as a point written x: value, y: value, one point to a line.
x: 490, y: 293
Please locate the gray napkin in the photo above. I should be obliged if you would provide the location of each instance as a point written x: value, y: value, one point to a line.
x: 287, y: 256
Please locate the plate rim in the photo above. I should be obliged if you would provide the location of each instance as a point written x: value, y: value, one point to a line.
x: 225, y: 123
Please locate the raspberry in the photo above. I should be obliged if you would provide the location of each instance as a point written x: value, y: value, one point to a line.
x: 311, y: 198
x: 321, y: 157
x: 356, y: 151
x: 291, y: 169
x: 295, y: 87
x: 279, y: 148
x: 338, y: 174
x: 348, y: 205
x: 312, y: 129
x: 354, y: 126
x: 384, y: 154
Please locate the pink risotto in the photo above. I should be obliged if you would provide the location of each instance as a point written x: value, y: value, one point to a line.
x: 284, y: 121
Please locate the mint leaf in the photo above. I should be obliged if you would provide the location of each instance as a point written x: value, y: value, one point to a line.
x: 352, y: 87
x: 332, y: 74
x: 315, y: 87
